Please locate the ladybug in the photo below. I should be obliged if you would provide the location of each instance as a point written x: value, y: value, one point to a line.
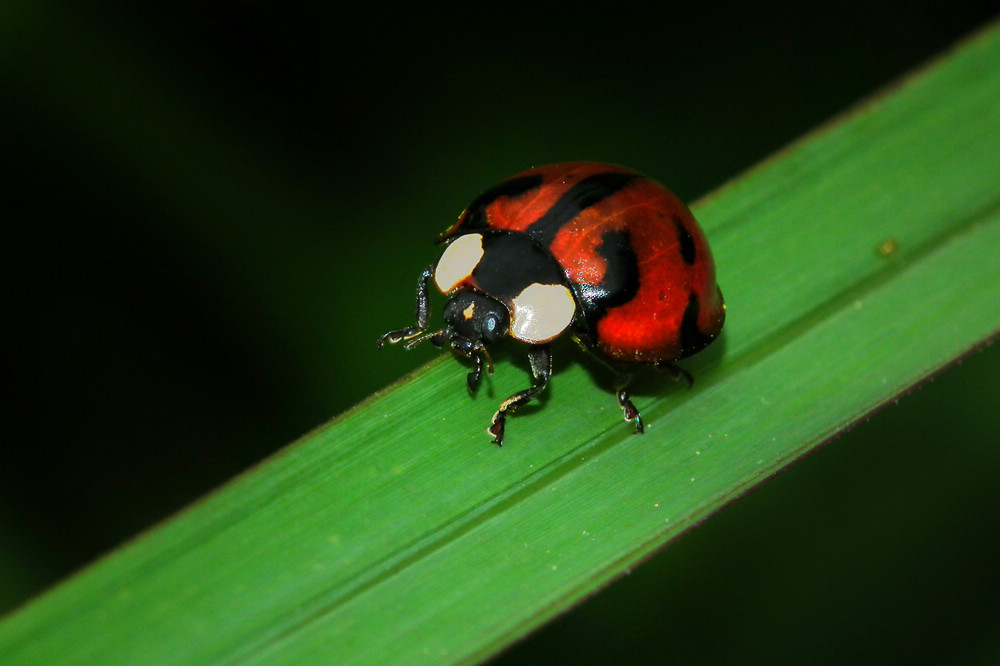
x: 596, y: 251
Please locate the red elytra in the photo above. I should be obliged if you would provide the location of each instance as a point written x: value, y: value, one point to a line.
x: 672, y: 259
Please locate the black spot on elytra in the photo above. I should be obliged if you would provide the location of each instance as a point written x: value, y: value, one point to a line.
x: 586, y: 193
x: 621, y: 278
x: 692, y: 339
x: 688, y: 253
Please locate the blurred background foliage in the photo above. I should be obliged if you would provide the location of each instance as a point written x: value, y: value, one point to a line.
x: 212, y: 210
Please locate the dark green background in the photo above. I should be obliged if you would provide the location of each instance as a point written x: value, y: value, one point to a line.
x: 214, y: 208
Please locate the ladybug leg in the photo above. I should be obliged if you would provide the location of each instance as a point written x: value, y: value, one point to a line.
x: 540, y: 360
x: 423, y: 314
x: 473, y: 378
x: 480, y: 357
x: 675, y: 372
x: 625, y: 402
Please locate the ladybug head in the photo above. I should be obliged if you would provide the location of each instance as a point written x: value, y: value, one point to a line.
x: 473, y: 320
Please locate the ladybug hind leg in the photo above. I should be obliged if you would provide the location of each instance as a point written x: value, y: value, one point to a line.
x: 423, y: 316
x: 625, y: 402
x: 675, y: 372
x: 540, y: 359
x: 624, y: 373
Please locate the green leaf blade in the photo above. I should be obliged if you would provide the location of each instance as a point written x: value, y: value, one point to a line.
x: 397, y: 534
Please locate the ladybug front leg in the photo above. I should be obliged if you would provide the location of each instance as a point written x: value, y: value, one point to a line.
x: 540, y: 360
x: 423, y: 314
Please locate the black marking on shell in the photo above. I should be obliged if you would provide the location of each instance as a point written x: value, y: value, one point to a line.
x: 688, y: 252
x: 620, y: 283
x: 584, y: 194
x: 692, y: 338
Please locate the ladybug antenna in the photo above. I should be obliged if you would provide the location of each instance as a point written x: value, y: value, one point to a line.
x: 435, y: 338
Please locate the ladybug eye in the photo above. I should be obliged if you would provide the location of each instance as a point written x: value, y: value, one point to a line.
x: 493, y: 328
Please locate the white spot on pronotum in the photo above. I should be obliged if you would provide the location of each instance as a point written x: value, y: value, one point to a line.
x: 541, y: 312
x: 458, y: 261
x: 469, y: 311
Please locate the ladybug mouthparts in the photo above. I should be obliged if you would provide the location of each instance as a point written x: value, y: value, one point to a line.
x: 472, y: 349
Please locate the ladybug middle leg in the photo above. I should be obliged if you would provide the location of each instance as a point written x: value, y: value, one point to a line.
x: 540, y: 359
x: 423, y: 317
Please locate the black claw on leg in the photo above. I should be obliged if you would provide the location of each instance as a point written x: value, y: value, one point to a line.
x: 631, y: 413
x: 496, y: 428
x: 628, y: 409
x: 392, y: 337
